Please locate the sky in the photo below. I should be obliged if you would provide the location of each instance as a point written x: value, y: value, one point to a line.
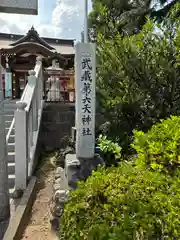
x: 56, y: 18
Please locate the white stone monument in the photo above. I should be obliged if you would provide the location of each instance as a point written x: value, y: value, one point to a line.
x: 80, y: 165
x: 85, y: 76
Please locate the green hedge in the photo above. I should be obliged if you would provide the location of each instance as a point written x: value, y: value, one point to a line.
x: 123, y: 203
x: 111, y: 151
x: 159, y: 148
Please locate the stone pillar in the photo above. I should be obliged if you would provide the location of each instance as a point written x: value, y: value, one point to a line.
x: 39, y: 60
x: 21, y: 146
x: 54, y: 63
x: 40, y: 80
x: 85, y: 76
x: 80, y: 165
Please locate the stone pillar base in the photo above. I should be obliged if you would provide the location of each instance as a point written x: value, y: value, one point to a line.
x: 80, y: 169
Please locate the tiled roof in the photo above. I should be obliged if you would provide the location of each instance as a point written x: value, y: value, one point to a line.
x: 62, y: 46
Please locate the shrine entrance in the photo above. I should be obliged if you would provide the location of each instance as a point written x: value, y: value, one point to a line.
x: 20, y: 57
x: 19, y: 81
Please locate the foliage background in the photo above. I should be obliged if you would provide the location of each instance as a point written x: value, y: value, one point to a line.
x: 137, y: 86
x: 138, y: 78
x: 123, y: 202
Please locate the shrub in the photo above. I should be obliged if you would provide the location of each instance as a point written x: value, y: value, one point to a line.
x: 111, y: 150
x: 123, y: 203
x: 159, y: 148
x: 138, y: 79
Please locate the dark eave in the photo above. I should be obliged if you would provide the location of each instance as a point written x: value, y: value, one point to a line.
x: 68, y: 42
x: 32, y: 36
x: 17, y: 37
x: 25, y: 46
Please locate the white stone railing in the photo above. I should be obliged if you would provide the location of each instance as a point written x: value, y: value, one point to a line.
x: 13, y: 121
x: 27, y: 125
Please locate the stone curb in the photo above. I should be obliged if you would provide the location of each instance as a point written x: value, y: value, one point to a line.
x: 21, y: 216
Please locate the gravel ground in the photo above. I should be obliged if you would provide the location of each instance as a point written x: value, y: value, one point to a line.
x: 39, y: 227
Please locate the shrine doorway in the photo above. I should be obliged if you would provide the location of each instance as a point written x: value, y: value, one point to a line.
x: 19, y: 81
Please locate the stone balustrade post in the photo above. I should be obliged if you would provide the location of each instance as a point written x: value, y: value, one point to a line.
x: 40, y: 80
x: 32, y: 81
x: 21, y: 146
x: 38, y: 60
x: 32, y: 78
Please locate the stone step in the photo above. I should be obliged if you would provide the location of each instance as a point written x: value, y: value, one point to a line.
x: 12, y: 131
x: 11, y: 157
x: 11, y: 147
x: 8, y: 111
x: 8, y: 117
x: 11, y: 181
x: 11, y: 106
x: 11, y: 138
x: 11, y: 168
x: 8, y: 123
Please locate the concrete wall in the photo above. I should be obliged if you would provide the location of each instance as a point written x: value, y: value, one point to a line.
x: 57, y: 120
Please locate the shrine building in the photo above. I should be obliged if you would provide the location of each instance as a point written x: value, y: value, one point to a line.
x: 18, y: 55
